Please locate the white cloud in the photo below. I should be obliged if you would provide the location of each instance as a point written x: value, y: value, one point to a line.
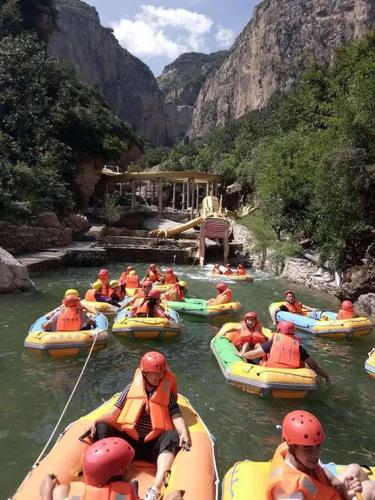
x: 148, y: 33
x: 224, y: 37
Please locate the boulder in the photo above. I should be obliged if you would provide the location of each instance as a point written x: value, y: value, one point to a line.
x: 365, y: 305
x: 306, y: 273
x: 46, y: 219
x: 78, y: 223
x: 14, y: 276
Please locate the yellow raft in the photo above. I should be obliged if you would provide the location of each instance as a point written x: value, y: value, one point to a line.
x: 193, y: 471
x: 324, y: 323
x: 370, y: 364
x: 99, y: 307
x: 147, y: 328
x: 248, y: 480
x: 243, y: 278
x: 59, y: 344
x: 257, y: 379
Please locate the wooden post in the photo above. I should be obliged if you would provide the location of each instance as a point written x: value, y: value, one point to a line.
x: 215, y: 189
x: 197, y: 201
x: 153, y: 191
x: 208, y: 188
x: 174, y: 196
x: 183, y: 196
x: 187, y: 195
x: 160, y: 195
x: 133, y: 194
x: 192, y: 200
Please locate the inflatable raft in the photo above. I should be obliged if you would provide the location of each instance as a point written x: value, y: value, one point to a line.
x: 370, y: 364
x: 100, y: 307
x: 247, y: 480
x: 242, y: 278
x: 194, y: 471
x: 146, y: 328
x: 257, y: 379
x: 199, y: 307
x: 324, y: 323
x: 67, y: 343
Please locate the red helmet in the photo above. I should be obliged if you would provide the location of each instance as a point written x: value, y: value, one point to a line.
x: 286, y: 328
x: 289, y: 291
x: 154, y: 294
x: 169, y: 270
x: 302, y: 428
x: 153, y: 361
x: 152, y: 266
x: 71, y: 301
x: 347, y: 305
x: 147, y: 284
x: 103, y: 273
x: 250, y: 315
x: 221, y: 287
x: 105, y: 459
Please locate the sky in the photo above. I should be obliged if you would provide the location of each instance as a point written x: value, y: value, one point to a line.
x: 158, y: 31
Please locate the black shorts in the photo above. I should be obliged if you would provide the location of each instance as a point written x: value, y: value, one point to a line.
x: 149, y: 451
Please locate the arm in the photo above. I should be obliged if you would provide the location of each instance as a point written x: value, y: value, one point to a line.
x: 254, y: 354
x: 183, y: 431
x: 245, y: 348
x: 274, y: 315
x: 109, y: 418
x: 311, y: 363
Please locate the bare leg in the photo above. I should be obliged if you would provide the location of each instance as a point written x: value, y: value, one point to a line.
x: 61, y: 492
x: 163, y: 464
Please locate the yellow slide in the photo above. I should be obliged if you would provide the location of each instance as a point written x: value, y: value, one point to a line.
x: 169, y: 233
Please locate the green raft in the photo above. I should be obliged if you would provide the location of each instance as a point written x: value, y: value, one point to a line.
x: 200, y: 308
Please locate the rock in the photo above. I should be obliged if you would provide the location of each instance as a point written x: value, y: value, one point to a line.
x: 365, y: 305
x: 127, y: 83
x: 307, y: 274
x: 13, y: 275
x: 78, y: 223
x: 283, y: 37
x: 357, y: 281
x: 46, y: 219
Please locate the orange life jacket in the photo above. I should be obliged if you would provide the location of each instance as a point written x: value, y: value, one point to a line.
x: 143, y: 309
x: 245, y: 335
x: 289, y: 480
x: 123, y: 277
x: 241, y: 272
x: 105, y: 290
x: 113, y: 491
x: 69, y: 319
x: 132, y: 281
x: 223, y: 298
x: 285, y: 352
x: 157, y: 405
x: 90, y: 295
x: 170, y: 279
x: 345, y: 314
x: 174, y: 294
x: 295, y: 308
x: 153, y: 276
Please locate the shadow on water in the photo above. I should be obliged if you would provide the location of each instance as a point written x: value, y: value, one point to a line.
x: 34, y: 389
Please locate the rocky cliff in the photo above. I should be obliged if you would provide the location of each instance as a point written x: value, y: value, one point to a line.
x: 180, y: 84
x: 128, y: 85
x: 282, y: 38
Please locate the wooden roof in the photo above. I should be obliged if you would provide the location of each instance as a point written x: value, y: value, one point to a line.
x: 166, y: 175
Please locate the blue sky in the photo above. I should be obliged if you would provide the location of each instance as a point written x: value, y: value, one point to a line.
x: 158, y: 31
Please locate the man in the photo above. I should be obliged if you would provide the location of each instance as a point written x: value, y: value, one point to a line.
x: 298, y: 474
x: 69, y: 318
x: 141, y: 296
x: 170, y: 278
x: 224, y: 295
x: 176, y: 293
x: 103, y: 278
x: 154, y: 274
x: 284, y: 350
x: 249, y: 336
x: 290, y: 305
x: 95, y: 294
x: 150, y: 308
x: 148, y: 417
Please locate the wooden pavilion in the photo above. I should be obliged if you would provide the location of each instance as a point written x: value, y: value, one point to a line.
x: 152, y: 182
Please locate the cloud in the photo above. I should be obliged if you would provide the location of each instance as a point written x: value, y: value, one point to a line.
x: 224, y: 37
x: 157, y: 31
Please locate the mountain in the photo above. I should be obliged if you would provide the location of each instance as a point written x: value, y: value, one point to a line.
x: 282, y: 38
x: 180, y: 84
x: 127, y: 83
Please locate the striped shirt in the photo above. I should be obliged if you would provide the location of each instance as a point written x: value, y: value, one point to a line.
x: 144, y: 426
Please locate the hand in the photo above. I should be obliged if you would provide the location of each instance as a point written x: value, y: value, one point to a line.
x: 47, y: 486
x: 92, y: 429
x: 185, y: 440
x: 353, y: 485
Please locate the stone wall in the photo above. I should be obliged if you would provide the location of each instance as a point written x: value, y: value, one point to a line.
x: 22, y: 239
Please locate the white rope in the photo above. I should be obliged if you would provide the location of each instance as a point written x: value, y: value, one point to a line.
x: 37, y: 461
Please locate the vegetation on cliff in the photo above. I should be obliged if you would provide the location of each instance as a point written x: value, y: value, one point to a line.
x: 308, y: 158
x: 49, y: 121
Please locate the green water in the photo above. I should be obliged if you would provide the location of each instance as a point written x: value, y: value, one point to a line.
x: 34, y: 389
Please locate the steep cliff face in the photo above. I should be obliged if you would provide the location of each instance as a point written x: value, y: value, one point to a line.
x: 128, y: 85
x: 180, y: 84
x: 282, y: 38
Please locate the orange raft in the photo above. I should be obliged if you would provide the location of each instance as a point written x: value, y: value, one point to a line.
x: 194, y: 471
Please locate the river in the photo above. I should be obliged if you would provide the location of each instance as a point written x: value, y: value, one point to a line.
x: 34, y: 389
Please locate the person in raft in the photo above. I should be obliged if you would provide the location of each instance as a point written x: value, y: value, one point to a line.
x: 216, y: 269
x: 241, y: 271
x: 228, y: 270
x: 70, y: 291
x: 132, y: 280
x: 176, y: 293
x: 346, y: 310
x: 154, y: 274
x: 170, y: 278
x: 69, y: 318
x: 290, y: 305
x: 116, y: 291
x: 125, y: 274
x: 148, y: 417
x: 284, y: 350
x: 250, y: 336
x: 95, y: 294
x: 103, y: 278
x: 141, y: 296
x: 297, y: 472
x: 224, y: 295
x: 150, y: 308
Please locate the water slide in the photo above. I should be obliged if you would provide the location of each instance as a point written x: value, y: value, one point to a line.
x: 173, y: 231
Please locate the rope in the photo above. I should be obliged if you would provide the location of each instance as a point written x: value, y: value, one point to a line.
x: 37, y: 461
